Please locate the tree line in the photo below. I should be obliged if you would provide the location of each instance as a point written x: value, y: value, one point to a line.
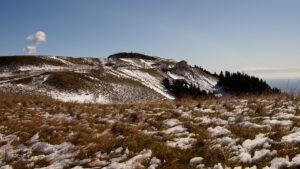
x: 233, y: 83
x: 241, y: 83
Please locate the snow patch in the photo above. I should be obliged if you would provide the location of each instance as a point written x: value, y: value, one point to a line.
x: 262, y: 154
x: 154, y: 163
x: 218, y: 131
x: 79, y: 97
x: 278, y: 122
x: 293, y: 137
x: 134, y: 162
x: 182, y: 143
x: 259, y: 140
x: 171, y: 122
x: 175, y: 130
x: 196, y: 160
x: 149, y: 81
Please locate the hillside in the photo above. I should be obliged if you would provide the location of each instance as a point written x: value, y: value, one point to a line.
x: 240, y: 132
x: 50, y: 116
x: 122, y: 77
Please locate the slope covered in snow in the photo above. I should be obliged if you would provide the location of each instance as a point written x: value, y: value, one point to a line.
x: 123, y: 77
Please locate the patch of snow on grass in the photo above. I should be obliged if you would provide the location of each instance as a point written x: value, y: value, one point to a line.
x: 6, y: 167
x: 295, y: 161
x: 47, y: 148
x: 133, y: 62
x: 174, y: 76
x: 184, y: 139
x: 134, y: 162
x: 187, y: 114
x: 147, y: 63
x: 6, y: 74
x: 62, y: 116
x: 149, y: 81
x: 262, y: 154
x: 59, y: 59
x: 278, y: 122
x: 259, y: 140
x: 244, y: 157
x: 207, y: 110
x: 278, y: 163
x: 79, y: 97
x: 154, y: 163
x: 6, y: 150
x: 248, y: 124
x: 206, y: 120
x: 218, y: 131
x: 293, y: 137
x: 34, y: 138
x: 225, y: 141
x: 218, y: 166
x: 196, y: 160
x: 282, y: 115
x: 182, y: 143
x: 171, y: 122
x: 42, y: 67
x: 175, y: 130
x: 243, y: 152
x: 60, y: 155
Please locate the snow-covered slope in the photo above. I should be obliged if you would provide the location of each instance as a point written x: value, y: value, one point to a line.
x: 122, y: 77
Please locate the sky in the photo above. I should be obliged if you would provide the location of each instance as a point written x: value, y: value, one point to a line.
x: 260, y: 37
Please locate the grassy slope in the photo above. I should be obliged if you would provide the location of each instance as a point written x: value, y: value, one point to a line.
x: 11, y: 61
x: 23, y: 116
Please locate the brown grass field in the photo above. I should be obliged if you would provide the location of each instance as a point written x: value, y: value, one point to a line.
x: 90, y: 135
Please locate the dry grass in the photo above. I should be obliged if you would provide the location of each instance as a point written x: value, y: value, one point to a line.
x: 12, y: 61
x: 91, y: 133
x: 69, y: 80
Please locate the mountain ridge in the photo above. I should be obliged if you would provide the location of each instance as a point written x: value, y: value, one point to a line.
x: 122, y: 77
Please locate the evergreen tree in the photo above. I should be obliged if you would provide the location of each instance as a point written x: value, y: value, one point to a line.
x: 241, y: 83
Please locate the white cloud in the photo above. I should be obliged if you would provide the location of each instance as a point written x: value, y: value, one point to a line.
x: 35, y: 40
x: 30, y: 49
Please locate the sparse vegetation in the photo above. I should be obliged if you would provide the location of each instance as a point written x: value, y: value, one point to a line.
x: 93, y: 131
x: 68, y: 80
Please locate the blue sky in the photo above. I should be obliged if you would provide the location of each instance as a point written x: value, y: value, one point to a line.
x: 261, y: 37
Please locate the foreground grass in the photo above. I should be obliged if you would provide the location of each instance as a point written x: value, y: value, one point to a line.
x: 104, y: 132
